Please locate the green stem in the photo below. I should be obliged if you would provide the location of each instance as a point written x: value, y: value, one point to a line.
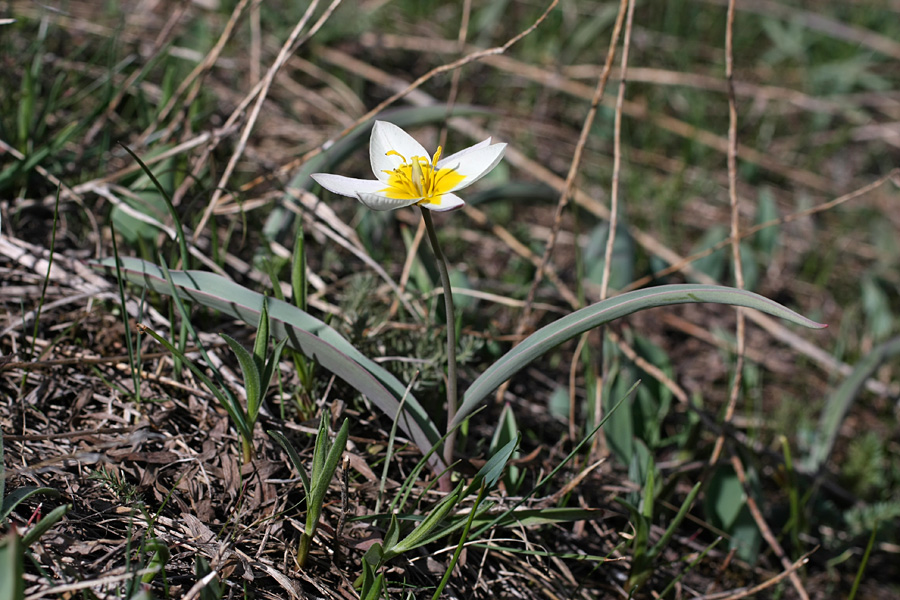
x: 462, y: 543
x: 247, y: 450
x: 451, y: 332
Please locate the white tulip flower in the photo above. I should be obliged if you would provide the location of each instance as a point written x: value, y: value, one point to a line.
x: 407, y: 175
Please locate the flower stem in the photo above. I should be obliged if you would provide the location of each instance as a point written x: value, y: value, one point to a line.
x: 451, y: 332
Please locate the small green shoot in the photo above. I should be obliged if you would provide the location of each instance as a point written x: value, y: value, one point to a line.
x: 391, y: 546
x: 257, y: 369
x: 305, y: 367
x: 326, y: 456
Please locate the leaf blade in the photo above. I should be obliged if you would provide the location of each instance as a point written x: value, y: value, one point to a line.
x: 605, y: 311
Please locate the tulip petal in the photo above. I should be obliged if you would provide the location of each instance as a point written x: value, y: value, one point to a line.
x: 387, y: 137
x: 474, y: 163
x: 449, y: 160
x: 347, y: 186
x: 443, y: 203
x: 379, y: 202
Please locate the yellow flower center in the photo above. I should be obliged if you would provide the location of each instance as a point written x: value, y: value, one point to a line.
x: 417, y: 178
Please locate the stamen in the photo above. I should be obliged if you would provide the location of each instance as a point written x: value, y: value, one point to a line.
x: 417, y: 176
x: 395, y: 153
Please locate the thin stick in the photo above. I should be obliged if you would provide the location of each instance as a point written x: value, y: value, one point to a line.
x: 454, y: 80
x: 617, y: 159
x: 198, y: 72
x: 574, y: 167
x: 613, y: 205
x: 451, y: 331
x: 407, y: 266
x: 735, y: 228
x: 566, y: 192
x: 765, y: 530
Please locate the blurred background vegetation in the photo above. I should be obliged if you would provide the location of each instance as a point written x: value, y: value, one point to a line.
x: 817, y: 91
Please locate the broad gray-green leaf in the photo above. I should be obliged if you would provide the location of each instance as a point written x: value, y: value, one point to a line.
x: 566, y: 328
x: 305, y: 333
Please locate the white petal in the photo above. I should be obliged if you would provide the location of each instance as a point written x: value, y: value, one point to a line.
x: 386, y: 137
x: 347, y: 186
x: 455, y: 157
x: 447, y: 202
x: 379, y: 202
x: 475, y: 164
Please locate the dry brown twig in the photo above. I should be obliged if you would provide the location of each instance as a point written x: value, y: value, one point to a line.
x: 614, y: 206
x: 566, y: 192
x: 741, y: 333
x: 193, y: 80
x: 735, y: 228
x: 290, y: 46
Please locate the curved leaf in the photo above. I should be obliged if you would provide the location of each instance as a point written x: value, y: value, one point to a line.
x: 839, y: 402
x: 566, y: 328
x: 250, y: 370
x: 44, y: 525
x: 304, y: 332
x: 21, y: 494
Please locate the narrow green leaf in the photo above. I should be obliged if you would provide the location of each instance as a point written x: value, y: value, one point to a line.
x: 454, y: 523
x: 323, y: 443
x: 251, y: 377
x: 840, y: 400
x: 323, y: 473
x: 20, y: 495
x: 262, y: 337
x: 371, y: 585
x: 213, y: 589
x: 179, y: 230
x: 44, y: 524
x: 392, y: 536
x: 272, y: 365
x: 460, y: 545
x: 493, y: 468
x: 603, y: 312
x: 335, y: 452
x: 418, y: 535
x: 576, y: 450
x: 295, y: 459
x: 223, y: 395
x: 298, y: 271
